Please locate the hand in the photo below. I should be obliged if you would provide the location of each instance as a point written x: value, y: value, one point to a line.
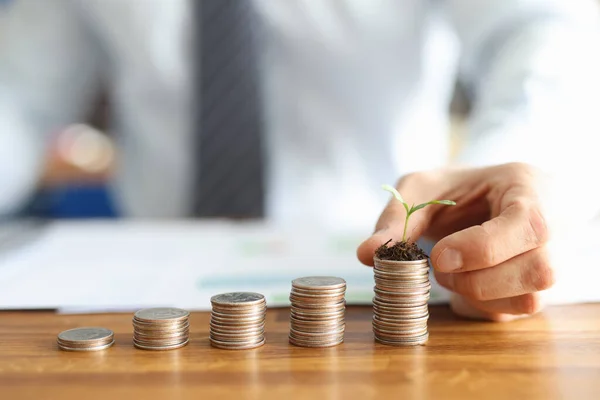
x: 491, y: 246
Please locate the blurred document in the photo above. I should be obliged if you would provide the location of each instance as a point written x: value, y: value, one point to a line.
x: 123, y: 266
x: 109, y: 266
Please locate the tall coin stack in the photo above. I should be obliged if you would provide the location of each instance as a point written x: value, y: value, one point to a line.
x: 400, y: 302
x: 318, y: 311
x: 237, y: 321
x: 161, y: 328
x: 86, y: 339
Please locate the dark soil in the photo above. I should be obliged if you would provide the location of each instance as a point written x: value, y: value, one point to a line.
x: 400, y: 251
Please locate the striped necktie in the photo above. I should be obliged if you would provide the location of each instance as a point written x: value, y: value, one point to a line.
x: 230, y: 181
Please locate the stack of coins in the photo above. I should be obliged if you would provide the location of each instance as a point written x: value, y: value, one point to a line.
x: 237, y: 320
x: 86, y: 339
x: 400, y: 302
x: 317, y: 312
x: 161, y: 328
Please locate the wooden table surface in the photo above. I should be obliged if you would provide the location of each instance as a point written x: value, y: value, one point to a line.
x: 553, y: 355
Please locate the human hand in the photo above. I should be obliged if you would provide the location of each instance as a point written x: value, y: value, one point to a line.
x: 491, y: 246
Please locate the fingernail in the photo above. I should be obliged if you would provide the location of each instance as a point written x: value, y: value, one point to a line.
x: 450, y: 260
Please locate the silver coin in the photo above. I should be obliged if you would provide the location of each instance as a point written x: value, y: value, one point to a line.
x: 236, y: 329
x: 237, y: 339
x: 160, y: 348
x: 159, y: 343
x: 400, y: 301
x: 308, y: 321
x: 415, y: 341
x: 319, y: 282
x: 85, y: 344
x: 95, y: 348
x: 423, y: 284
x: 166, y: 314
x: 237, y: 320
x: 160, y: 332
x: 399, y: 264
x: 386, y: 318
x: 319, y: 306
x: 320, y: 342
x: 400, y: 310
x: 171, y: 336
x: 318, y: 329
x: 318, y: 292
x: 238, y: 298
x: 329, y: 297
x: 236, y: 346
x: 398, y: 332
x: 398, y: 319
x: 320, y: 311
x: 91, y: 334
x: 415, y: 270
x: 164, y: 324
x: 308, y: 301
x: 304, y: 343
x: 331, y: 322
x: 234, y: 310
x: 333, y: 332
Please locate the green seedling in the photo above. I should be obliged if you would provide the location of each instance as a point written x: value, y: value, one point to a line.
x: 410, y: 210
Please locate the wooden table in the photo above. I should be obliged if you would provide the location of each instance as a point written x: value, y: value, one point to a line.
x: 554, y: 355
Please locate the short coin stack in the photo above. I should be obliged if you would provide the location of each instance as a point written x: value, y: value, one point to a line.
x: 237, y: 320
x: 86, y: 339
x: 161, y: 328
x: 318, y: 311
x: 400, y: 303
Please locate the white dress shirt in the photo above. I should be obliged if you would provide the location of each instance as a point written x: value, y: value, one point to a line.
x: 357, y: 94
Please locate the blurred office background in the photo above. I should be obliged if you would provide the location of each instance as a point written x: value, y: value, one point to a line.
x: 81, y: 158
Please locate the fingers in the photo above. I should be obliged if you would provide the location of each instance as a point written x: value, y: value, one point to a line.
x: 528, y: 273
x: 518, y: 228
x: 417, y: 187
x: 526, y: 304
x: 494, y: 310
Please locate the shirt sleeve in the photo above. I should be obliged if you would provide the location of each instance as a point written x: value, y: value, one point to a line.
x: 533, y: 70
x: 47, y: 79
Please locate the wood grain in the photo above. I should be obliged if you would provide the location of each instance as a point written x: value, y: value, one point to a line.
x: 551, y: 356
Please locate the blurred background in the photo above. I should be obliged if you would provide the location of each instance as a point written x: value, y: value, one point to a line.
x: 80, y: 158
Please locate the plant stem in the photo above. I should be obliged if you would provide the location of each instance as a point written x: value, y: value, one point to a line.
x: 405, y: 226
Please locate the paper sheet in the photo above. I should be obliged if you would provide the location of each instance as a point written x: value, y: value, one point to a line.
x: 122, y: 266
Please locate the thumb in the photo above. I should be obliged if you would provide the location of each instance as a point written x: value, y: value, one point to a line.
x: 391, y: 226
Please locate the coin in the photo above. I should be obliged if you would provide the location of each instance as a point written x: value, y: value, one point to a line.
x: 319, y: 282
x: 309, y: 343
x: 415, y: 341
x: 164, y: 328
x: 317, y: 314
x: 318, y: 292
x: 237, y: 320
x: 85, y: 339
x: 257, y: 316
x: 85, y: 334
x: 161, y: 315
x: 402, y: 290
x: 237, y: 298
x: 97, y: 348
x: 160, y: 348
x: 324, y: 306
x: 235, y: 345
